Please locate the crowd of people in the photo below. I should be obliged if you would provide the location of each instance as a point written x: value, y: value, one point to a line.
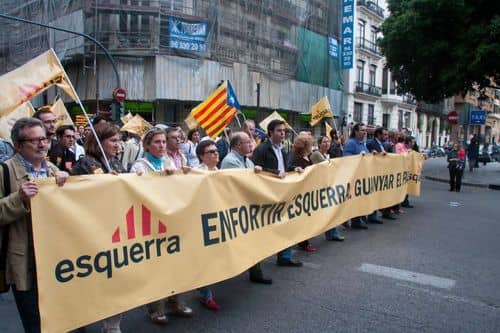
x: 41, y: 150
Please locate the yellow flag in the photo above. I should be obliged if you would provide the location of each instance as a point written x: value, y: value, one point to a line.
x: 32, y: 78
x: 321, y: 110
x: 191, y: 121
x: 126, y: 118
x: 137, y: 125
x: 7, y: 121
x: 63, y: 117
x: 273, y: 116
x: 328, y: 129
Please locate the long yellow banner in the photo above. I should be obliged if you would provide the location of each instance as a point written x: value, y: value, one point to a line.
x: 105, y: 244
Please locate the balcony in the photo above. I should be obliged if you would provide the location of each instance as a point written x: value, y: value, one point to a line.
x: 372, y: 6
x: 366, y: 88
x: 436, y: 109
x: 368, y: 45
x: 409, y: 99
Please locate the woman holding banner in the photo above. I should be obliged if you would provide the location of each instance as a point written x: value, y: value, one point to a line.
x: 155, y: 148
x: 208, y: 155
x: 301, y: 149
x: 321, y: 155
x: 95, y: 163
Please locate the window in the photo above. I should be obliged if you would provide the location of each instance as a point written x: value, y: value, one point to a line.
x: 373, y: 36
x: 360, y: 67
x: 371, y: 114
x: 400, y: 119
x: 408, y: 120
x: 373, y: 75
x: 358, y: 112
x: 361, y: 29
x: 385, y: 81
x: 386, y: 119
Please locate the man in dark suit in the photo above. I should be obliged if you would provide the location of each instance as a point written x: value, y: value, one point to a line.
x: 375, y: 146
x: 271, y: 157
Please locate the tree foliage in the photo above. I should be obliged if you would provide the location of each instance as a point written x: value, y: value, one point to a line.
x: 439, y: 48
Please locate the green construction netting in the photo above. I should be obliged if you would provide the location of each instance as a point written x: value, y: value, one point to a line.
x: 315, y: 66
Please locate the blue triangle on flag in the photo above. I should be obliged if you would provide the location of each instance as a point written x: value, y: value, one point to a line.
x: 231, y: 97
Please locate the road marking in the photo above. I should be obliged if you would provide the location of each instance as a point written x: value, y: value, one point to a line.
x: 401, y: 274
x: 453, y: 298
x: 311, y: 265
x: 454, y: 204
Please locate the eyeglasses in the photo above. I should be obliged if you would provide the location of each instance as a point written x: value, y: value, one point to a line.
x: 37, y: 141
x: 212, y: 151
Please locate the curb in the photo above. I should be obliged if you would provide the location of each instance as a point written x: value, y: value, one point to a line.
x: 489, y: 186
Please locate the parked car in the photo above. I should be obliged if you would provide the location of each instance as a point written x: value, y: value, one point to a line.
x: 494, y: 152
x: 484, y: 154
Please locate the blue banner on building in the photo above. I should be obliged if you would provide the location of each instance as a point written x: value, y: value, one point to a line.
x: 347, y: 33
x: 186, y: 35
x: 477, y: 117
x: 333, y: 47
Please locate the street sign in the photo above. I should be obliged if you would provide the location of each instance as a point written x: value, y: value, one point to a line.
x: 119, y: 95
x: 477, y: 117
x: 452, y: 117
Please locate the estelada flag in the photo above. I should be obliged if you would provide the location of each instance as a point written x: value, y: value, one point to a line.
x: 217, y: 111
x: 321, y: 110
x: 32, y: 78
x: 7, y: 121
x: 62, y: 115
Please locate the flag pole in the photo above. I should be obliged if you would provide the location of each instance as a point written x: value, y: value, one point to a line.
x: 84, y: 112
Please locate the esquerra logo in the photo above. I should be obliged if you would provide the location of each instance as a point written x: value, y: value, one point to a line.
x: 121, y: 256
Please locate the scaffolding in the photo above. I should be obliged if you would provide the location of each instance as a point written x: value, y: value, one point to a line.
x: 267, y: 35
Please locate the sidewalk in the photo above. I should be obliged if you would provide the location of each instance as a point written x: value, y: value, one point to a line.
x: 484, y: 176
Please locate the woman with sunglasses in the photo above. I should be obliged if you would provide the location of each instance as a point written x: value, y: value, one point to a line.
x: 209, y: 158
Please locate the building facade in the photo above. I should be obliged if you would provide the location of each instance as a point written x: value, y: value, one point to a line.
x: 371, y: 94
x: 171, y: 54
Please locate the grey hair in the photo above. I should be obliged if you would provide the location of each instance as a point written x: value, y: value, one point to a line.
x: 16, y: 134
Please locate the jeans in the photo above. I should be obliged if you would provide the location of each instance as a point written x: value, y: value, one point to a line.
x: 27, y: 305
x: 373, y: 216
x: 205, y: 293
x: 332, y: 233
x: 285, y: 255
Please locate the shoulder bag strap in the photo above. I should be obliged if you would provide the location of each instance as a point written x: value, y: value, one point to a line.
x: 5, y: 230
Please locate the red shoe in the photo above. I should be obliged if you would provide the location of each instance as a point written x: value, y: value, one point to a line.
x: 310, y: 248
x: 210, y: 304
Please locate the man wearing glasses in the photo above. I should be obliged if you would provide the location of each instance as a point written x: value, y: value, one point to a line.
x: 241, y: 146
x: 17, y: 187
x: 174, y: 154
x: 60, y: 154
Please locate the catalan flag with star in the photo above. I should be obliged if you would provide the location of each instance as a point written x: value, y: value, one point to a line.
x: 217, y: 111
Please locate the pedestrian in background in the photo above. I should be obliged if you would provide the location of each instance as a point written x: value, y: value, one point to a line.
x: 456, y: 167
x: 473, y: 153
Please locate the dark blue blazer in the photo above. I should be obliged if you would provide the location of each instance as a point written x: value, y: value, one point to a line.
x: 372, y: 145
